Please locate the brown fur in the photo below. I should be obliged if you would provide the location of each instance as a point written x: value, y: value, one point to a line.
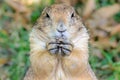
x: 45, y: 66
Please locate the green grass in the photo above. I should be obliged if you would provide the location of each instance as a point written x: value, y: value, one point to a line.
x: 18, y: 45
x: 102, y: 3
x: 117, y: 17
x: 107, y: 68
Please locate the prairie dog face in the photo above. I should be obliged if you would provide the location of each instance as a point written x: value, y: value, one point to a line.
x: 59, y: 30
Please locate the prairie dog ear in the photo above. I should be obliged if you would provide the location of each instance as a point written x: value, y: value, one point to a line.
x: 46, y: 9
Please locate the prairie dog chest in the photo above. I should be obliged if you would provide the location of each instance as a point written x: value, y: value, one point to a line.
x: 59, y: 73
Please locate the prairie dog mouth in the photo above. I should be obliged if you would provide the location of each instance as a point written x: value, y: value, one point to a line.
x: 60, y: 46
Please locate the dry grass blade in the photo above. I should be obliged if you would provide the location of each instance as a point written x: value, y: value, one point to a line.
x: 3, y: 61
x: 20, y: 8
x: 16, y: 5
x: 63, y: 1
x: 104, y: 43
x: 89, y: 7
x: 108, y: 11
x: 69, y: 2
x: 116, y: 29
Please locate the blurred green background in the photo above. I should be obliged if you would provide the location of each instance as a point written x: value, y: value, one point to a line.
x: 17, y: 18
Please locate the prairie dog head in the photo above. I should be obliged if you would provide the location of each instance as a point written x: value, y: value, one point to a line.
x: 59, y: 30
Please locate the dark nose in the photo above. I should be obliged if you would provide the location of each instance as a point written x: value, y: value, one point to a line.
x: 61, y: 28
x: 61, y: 31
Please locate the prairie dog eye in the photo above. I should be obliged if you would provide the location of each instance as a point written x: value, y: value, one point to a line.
x: 72, y: 15
x: 47, y: 15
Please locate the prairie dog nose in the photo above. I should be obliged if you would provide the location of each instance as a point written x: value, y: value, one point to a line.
x: 61, y: 31
x: 61, y: 27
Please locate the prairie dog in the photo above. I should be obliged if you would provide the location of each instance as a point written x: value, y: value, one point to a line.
x: 59, y: 46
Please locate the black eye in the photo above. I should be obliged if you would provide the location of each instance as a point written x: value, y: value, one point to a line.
x: 47, y: 15
x: 72, y: 15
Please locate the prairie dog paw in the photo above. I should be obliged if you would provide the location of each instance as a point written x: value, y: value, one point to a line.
x: 60, y: 46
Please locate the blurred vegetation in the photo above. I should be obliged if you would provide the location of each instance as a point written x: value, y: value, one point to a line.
x: 15, y: 26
